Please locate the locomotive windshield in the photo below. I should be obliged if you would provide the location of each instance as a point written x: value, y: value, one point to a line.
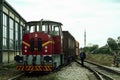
x: 37, y: 28
x: 53, y: 29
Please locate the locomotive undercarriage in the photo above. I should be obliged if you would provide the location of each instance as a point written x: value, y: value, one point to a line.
x: 39, y: 62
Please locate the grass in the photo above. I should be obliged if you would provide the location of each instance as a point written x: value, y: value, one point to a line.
x: 103, y: 59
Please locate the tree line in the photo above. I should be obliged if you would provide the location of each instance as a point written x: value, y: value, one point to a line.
x: 112, y: 47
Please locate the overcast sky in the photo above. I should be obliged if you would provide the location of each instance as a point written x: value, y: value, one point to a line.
x: 100, y: 18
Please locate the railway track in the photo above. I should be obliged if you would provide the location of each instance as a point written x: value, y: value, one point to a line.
x: 102, y: 73
x: 16, y: 77
x: 74, y: 70
x: 23, y: 76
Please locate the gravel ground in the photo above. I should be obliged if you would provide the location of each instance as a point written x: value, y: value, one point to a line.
x: 74, y: 72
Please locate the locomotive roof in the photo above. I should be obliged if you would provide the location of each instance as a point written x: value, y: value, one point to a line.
x: 45, y: 22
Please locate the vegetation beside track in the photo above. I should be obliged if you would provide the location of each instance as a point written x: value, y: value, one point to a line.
x: 103, y: 59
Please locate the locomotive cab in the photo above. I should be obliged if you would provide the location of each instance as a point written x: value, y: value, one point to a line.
x: 49, y: 28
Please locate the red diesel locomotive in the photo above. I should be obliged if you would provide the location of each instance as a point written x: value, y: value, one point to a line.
x: 45, y: 47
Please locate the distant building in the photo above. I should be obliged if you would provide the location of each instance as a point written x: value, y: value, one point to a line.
x: 90, y: 45
x: 11, y: 25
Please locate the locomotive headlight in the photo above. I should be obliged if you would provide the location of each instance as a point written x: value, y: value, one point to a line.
x: 25, y: 50
x: 48, y: 58
x: 18, y: 58
x: 46, y: 47
x: 25, y: 47
x: 46, y: 50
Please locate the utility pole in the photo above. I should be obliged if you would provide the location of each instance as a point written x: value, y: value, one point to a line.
x: 84, y: 37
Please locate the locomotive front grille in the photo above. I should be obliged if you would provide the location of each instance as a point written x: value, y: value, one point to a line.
x: 38, y: 46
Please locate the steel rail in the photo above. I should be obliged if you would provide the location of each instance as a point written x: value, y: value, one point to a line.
x: 107, y: 77
x: 15, y: 77
x: 104, y: 67
x: 106, y: 72
x: 98, y: 76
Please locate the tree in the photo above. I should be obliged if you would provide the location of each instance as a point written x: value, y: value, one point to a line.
x: 118, y: 42
x: 114, y: 48
x: 91, y: 48
x: 112, y: 44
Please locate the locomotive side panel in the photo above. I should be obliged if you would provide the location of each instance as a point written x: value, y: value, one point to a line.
x: 57, y: 44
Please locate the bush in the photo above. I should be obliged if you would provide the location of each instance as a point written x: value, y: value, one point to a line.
x: 103, y: 59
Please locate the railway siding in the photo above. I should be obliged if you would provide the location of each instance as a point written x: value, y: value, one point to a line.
x: 112, y: 70
x: 106, y: 72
